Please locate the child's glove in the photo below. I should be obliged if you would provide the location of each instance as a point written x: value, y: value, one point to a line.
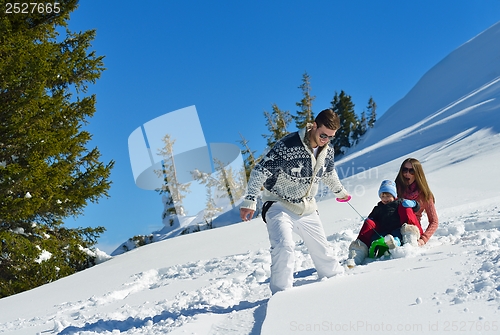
x: 409, y: 203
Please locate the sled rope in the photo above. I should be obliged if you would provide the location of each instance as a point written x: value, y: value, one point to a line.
x: 376, y: 232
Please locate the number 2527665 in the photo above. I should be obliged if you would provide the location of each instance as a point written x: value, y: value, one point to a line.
x: 32, y: 7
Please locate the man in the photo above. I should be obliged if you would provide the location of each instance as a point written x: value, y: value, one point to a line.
x: 290, y: 174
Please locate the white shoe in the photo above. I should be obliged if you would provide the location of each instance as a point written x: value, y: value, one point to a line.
x: 357, y: 253
x: 410, y: 233
x: 391, y: 241
x: 350, y: 263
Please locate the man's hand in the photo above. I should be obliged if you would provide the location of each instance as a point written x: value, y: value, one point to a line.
x: 246, y: 213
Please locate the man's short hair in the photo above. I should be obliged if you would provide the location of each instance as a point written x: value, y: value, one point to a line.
x: 328, y: 118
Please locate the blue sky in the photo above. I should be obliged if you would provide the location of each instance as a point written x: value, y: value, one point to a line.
x: 234, y: 59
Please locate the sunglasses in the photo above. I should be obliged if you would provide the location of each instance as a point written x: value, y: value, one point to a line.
x: 325, y: 136
x: 410, y: 170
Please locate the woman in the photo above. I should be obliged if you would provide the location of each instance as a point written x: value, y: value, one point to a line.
x: 412, y: 184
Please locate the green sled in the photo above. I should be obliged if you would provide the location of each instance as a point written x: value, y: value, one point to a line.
x: 378, y: 248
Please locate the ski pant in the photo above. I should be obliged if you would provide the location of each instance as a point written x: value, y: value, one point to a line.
x: 372, y: 230
x: 280, y: 224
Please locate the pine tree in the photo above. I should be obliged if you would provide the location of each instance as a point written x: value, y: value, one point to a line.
x: 228, y: 182
x: 277, y: 123
x: 305, y: 115
x: 360, y: 128
x: 372, y: 112
x: 172, y: 189
x: 46, y: 171
x: 231, y: 182
x: 248, y: 155
x: 342, y: 105
x: 211, y: 209
x: 211, y: 184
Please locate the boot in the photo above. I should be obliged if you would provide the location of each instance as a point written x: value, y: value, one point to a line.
x: 357, y: 253
x: 410, y: 234
x: 391, y: 241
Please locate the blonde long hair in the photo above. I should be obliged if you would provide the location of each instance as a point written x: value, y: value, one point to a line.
x: 425, y: 193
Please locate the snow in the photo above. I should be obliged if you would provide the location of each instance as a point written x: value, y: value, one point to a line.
x: 216, y: 281
x: 44, y: 255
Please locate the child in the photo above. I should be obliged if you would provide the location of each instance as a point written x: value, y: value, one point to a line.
x: 392, y: 218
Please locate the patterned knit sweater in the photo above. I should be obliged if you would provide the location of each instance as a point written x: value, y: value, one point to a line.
x: 290, y: 174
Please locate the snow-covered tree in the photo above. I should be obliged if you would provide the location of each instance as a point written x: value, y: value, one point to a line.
x: 173, y: 191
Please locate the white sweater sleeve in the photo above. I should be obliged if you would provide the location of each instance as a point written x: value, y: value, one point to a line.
x: 257, y: 178
x: 331, y: 179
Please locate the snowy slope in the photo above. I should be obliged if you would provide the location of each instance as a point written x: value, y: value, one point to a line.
x: 456, y: 98
x: 453, y: 281
x: 216, y: 281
